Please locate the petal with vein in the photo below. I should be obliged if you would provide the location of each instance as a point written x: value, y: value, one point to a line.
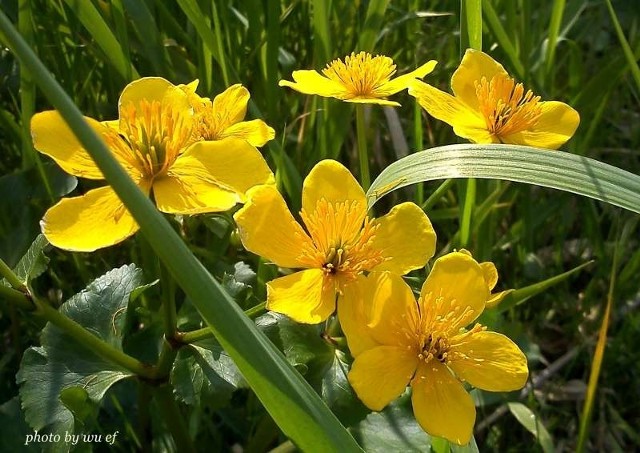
x: 256, y: 132
x: 303, y: 296
x: 230, y: 106
x: 92, y: 221
x: 351, y: 313
x: 474, y: 66
x: 268, y: 229
x: 405, y: 80
x: 556, y: 125
x: 455, y: 289
x: 312, y: 82
x: 406, y: 238
x: 489, y: 361
x: 332, y: 181
x: 441, y: 405
x: 381, y: 374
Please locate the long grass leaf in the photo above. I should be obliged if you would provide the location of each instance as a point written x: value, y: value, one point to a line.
x: 628, y: 53
x: 91, y: 19
x: 503, y: 39
x: 372, y: 24
x: 290, y: 400
x: 554, y: 169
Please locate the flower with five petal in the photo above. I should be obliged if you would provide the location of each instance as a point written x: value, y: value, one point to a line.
x: 359, y: 78
x: 397, y: 342
x: 223, y: 117
x: 154, y: 141
x: 490, y: 107
x: 336, y: 244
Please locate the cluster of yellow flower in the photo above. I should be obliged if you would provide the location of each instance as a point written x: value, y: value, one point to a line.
x: 194, y: 155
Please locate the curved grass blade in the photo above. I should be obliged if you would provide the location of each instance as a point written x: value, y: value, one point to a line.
x: 91, y: 19
x: 290, y: 400
x: 554, y: 169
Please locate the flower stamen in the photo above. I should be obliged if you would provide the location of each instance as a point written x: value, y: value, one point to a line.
x: 505, y: 106
x: 361, y: 74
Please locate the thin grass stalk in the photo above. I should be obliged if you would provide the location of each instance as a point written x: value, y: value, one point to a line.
x: 363, y: 156
x: 290, y: 400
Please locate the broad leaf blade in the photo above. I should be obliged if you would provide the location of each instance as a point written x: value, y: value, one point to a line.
x: 61, y: 363
x: 546, y: 168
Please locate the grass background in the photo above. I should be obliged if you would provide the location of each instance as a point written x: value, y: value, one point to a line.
x: 564, y: 50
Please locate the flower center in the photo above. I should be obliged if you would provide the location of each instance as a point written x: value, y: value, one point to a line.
x: 154, y: 133
x: 361, y: 74
x: 436, y: 347
x: 341, y: 239
x: 506, y: 108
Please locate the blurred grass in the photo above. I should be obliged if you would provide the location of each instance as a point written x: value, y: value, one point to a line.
x: 566, y: 50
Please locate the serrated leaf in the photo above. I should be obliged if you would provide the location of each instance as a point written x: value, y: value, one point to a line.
x: 62, y: 363
x: 203, y: 370
x: 393, y: 429
x: 34, y: 262
x: 13, y: 429
x: 533, y: 424
x: 555, y: 169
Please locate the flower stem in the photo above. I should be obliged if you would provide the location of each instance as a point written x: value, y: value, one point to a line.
x: 12, y: 278
x: 16, y: 297
x: 174, y: 420
x: 170, y: 318
x: 467, y: 212
x: 363, y: 156
x: 92, y: 342
x: 206, y: 332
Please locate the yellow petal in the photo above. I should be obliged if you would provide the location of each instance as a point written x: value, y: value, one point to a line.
x: 490, y: 274
x: 332, y: 181
x: 467, y: 123
x: 441, y: 405
x: 256, y: 132
x: 268, y: 229
x: 455, y: 289
x: 351, y: 313
x: 405, y: 81
x: 402, y: 254
x: 556, y: 125
x: 372, y: 100
x: 52, y: 136
x: 83, y: 224
x: 474, y: 65
x: 232, y: 164
x: 312, y: 82
x: 230, y: 106
x: 190, y: 194
x: 391, y: 311
x: 489, y: 361
x: 303, y: 296
x: 381, y: 374
x: 148, y: 88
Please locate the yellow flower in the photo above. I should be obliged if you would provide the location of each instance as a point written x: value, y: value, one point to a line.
x: 223, y: 117
x: 337, y: 243
x: 153, y: 141
x: 396, y: 341
x: 359, y: 78
x: 490, y: 107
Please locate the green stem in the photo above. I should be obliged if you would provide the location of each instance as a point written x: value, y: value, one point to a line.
x: 206, y: 332
x: 165, y: 361
x: 16, y: 297
x: 439, y: 192
x: 467, y: 212
x: 363, y: 156
x: 174, y: 420
x: 418, y: 145
x: 12, y: 278
x: 92, y: 342
x: 170, y: 318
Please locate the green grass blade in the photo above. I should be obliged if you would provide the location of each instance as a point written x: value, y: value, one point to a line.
x: 554, y: 169
x: 91, y: 19
x: 596, y: 364
x: 521, y: 295
x: 210, y: 39
x: 290, y: 400
x: 628, y: 53
x: 503, y: 39
x: 372, y: 25
x: 470, y: 25
x: 552, y: 37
